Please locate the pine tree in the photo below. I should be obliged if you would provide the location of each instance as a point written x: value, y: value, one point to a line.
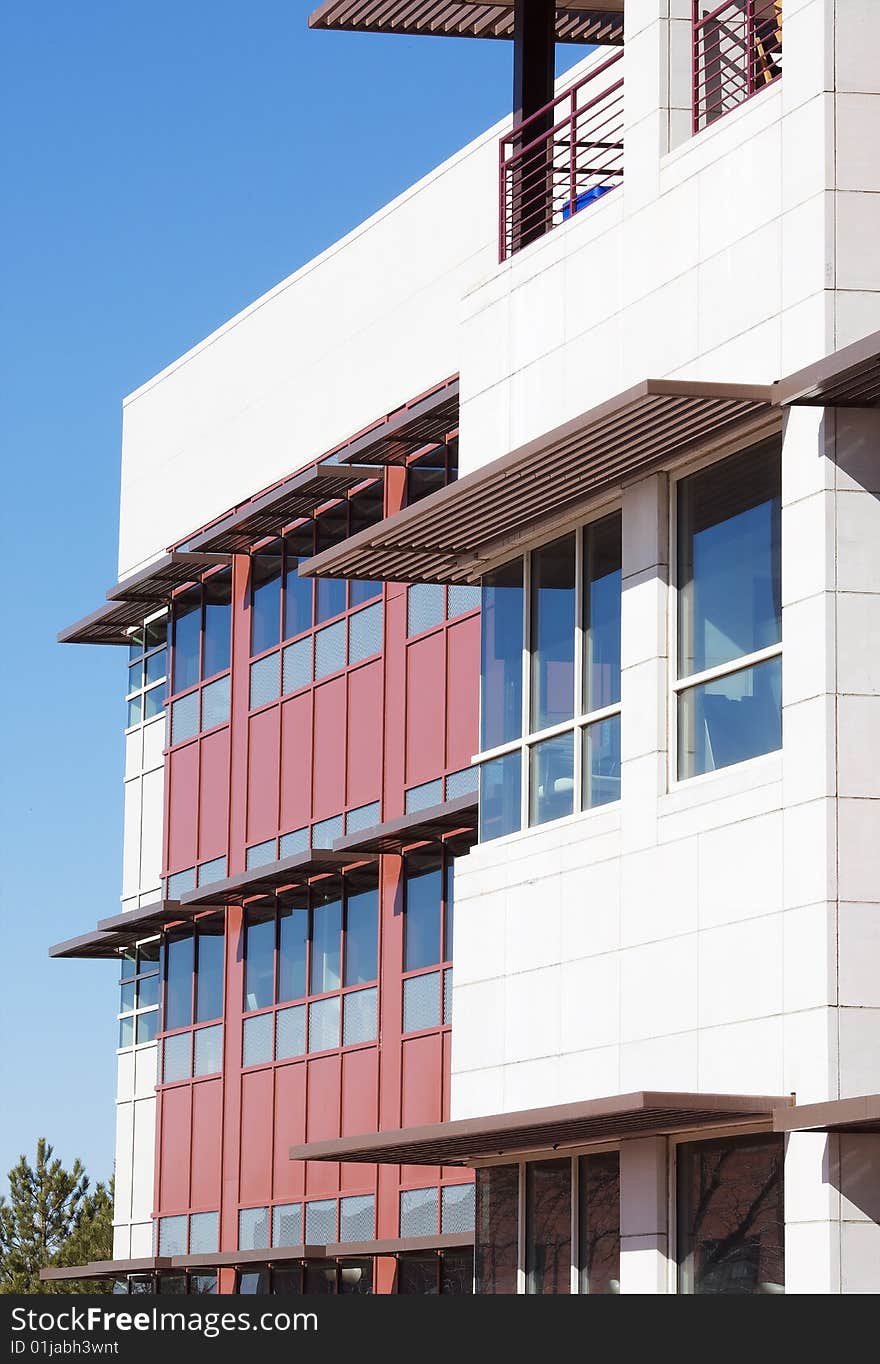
x: 46, y: 1205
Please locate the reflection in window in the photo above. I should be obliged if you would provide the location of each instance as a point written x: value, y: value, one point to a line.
x: 259, y: 966
x: 552, y: 687
x: 218, y: 624
x: 179, y: 960
x: 266, y: 599
x: 330, y: 530
x: 187, y: 636
x: 729, y: 607
x: 501, y: 627
x: 202, y: 622
x: 599, y: 1223
x: 361, y: 936
x: 293, y: 932
x: 601, y: 762
x: 602, y: 585
x: 326, y: 929
x: 548, y: 1226
x: 551, y: 779
x: 500, y: 796
x: 497, y: 1229
x: 730, y: 1216
x: 209, y: 968
x: 424, y: 889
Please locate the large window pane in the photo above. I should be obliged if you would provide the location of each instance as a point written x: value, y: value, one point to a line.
x: 500, y: 795
x: 332, y: 528
x: 599, y: 1223
x: 601, y: 762
x: 551, y: 779
x: 424, y: 888
x: 297, y: 590
x: 178, y: 983
x: 365, y: 510
x: 731, y: 719
x: 501, y: 629
x: 361, y: 936
x: 265, y: 601
x: 729, y: 565
x: 209, y: 978
x: 449, y: 910
x: 602, y: 579
x: 293, y: 931
x: 218, y: 619
x: 548, y: 1226
x: 497, y: 1229
x: 552, y: 642
x: 326, y: 942
x: 259, y: 966
x: 457, y: 1271
x: 418, y: 1273
x: 730, y: 1216
x: 187, y: 634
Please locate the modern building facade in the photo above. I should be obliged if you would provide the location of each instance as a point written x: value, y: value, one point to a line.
x: 531, y: 587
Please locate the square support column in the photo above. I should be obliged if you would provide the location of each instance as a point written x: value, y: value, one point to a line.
x: 644, y: 1202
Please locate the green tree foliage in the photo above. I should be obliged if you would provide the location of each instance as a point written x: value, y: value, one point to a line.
x: 50, y: 1217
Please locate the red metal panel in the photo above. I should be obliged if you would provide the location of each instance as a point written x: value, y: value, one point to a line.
x: 329, y: 763
x: 422, y: 1080
x: 322, y: 1116
x: 296, y: 762
x: 183, y: 805
x: 263, y: 757
x: 174, y: 1171
x: 255, y: 1169
x: 365, y: 734
x: 360, y: 1109
x: 214, y: 796
x: 207, y: 1143
x: 462, y: 692
x: 290, y: 1130
x: 425, y: 707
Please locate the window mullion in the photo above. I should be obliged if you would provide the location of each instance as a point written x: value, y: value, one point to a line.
x: 735, y: 665
x: 579, y: 652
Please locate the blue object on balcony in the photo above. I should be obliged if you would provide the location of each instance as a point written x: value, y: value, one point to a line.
x: 589, y: 196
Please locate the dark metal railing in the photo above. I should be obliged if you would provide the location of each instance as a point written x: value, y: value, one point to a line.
x: 561, y: 159
x: 737, y: 51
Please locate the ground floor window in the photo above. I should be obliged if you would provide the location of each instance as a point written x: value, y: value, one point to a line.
x: 549, y: 1226
x: 309, y: 1277
x: 430, y: 1272
x: 730, y: 1216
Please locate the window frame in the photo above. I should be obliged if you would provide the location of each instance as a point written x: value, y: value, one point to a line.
x: 678, y: 685
x: 582, y: 720
x: 161, y: 684
x: 439, y: 968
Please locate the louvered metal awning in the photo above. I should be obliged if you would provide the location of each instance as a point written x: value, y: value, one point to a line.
x: 270, y: 879
x: 860, y: 1114
x: 449, y: 536
x: 584, y: 22
x: 271, y: 511
x: 537, y: 1129
x: 130, y: 600
x: 122, y: 930
x: 423, y: 826
x: 427, y: 420
x: 847, y: 378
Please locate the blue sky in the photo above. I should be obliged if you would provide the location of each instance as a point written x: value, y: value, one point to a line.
x: 161, y: 167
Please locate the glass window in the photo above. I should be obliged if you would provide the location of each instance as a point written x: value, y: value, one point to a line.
x: 326, y: 941
x: 497, y: 1229
x: 148, y: 992
x: 287, y: 1281
x: 293, y: 932
x: 146, y: 1026
x: 418, y: 1212
x: 265, y: 599
x: 365, y: 510
x: 156, y: 666
x: 253, y: 1280
x: 729, y: 563
x: 457, y: 1271
x: 210, y: 964
x: 500, y: 796
x: 418, y: 1273
x: 548, y: 1226
x: 449, y: 909
x: 426, y: 475
x: 731, y: 719
x: 178, y: 982
x: 319, y: 1277
x: 602, y: 584
x: 126, y: 1031
x: 730, y: 1216
x: 501, y: 630
x: 202, y: 1283
x: 551, y: 779
x: 297, y: 590
x: 361, y: 936
x: 424, y: 890
x: 127, y: 996
x: 599, y: 1223
x: 259, y: 973
x: 218, y: 622
x: 601, y: 762
x: 552, y: 642
x: 187, y: 634
x: 356, y: 1276
x: 331, y: 528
